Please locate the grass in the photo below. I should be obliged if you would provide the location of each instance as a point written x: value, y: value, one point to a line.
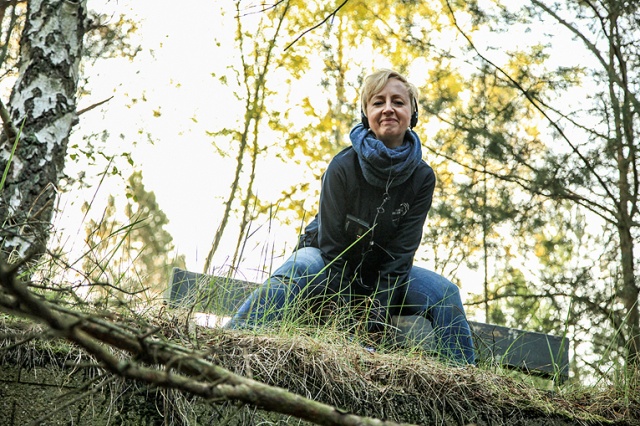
x: 320, y: 360
x: 323, y: 365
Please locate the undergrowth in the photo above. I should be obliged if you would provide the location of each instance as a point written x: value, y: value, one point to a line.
x: 326, y: 365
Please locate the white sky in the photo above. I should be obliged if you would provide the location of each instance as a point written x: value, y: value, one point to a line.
x: 173, y: 73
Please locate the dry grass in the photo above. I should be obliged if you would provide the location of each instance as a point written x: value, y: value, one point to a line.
x: 407, y: 386
x: 325, y: 366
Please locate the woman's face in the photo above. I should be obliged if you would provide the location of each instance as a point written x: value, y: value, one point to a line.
x: 389, y: 113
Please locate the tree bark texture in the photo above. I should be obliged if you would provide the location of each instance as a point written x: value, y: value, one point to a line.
x: 43, y: 106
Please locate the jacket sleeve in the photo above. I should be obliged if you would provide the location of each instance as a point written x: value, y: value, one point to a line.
x: 394, y: 272
x: 332, y: 211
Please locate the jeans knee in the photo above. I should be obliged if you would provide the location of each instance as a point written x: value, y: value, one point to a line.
x: 451, y: 294
x: 309, y: 259
x: 303, y: 262
x: 273, y: 286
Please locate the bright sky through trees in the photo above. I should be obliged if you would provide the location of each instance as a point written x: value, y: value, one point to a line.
x: 164, y: 103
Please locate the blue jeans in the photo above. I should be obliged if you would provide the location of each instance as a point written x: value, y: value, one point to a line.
x: 427, y: 294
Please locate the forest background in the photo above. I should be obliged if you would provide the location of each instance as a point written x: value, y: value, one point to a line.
x: 204, y: 129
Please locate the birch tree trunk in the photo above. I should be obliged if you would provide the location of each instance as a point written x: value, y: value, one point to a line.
x: 43, y: 105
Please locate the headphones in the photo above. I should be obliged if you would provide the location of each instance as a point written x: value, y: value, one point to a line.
x: 412, y: 123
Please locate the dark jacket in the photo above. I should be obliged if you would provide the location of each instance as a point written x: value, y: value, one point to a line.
x: 367, y: 235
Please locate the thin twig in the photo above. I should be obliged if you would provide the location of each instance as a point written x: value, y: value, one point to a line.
x: 264, y: 8
x: 90, y: 107
x: 536, y: 103
x: 329, y: 16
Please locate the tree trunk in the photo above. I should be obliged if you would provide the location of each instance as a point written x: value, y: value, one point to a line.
x: 629, y: 295
x: 43, y: 105
x: 622, y: 105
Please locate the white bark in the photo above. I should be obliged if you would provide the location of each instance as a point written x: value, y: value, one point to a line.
x: 43, y: 101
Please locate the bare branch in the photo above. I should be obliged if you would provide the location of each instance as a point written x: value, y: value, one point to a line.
x: 523, y: 183
x: 537, y: 104
x: 591, y: 46
x: 184, y: 370
x: 329, y: 16
x: 90, y: 107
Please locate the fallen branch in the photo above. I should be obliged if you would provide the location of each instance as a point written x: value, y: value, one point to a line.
x: 179, y: 368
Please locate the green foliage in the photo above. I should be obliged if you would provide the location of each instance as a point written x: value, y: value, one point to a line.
x: 517, y: 197
x: 583, y: 158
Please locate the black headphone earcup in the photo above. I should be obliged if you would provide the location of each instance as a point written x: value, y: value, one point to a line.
x: 414, y: 116
x: 364, y: 119
x: 414, y: 119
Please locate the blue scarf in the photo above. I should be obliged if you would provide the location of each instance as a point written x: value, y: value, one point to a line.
x: 384, y: 167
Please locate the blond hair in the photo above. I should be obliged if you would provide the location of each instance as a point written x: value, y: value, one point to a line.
x: 376, y: 81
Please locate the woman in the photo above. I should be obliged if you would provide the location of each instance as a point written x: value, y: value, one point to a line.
x: 374, y: 201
